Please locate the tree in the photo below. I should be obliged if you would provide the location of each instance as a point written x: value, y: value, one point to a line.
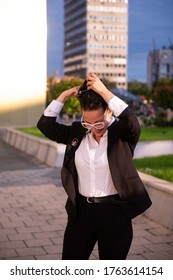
x: 139, y: 88
x: 109, y: 84
x: 72, y: 106
x: 163, y: 93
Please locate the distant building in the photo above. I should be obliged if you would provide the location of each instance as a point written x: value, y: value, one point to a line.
x: 96, y: 39
x: 160, y: 65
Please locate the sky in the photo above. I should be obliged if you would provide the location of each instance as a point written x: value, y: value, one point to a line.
x: 150, y: 27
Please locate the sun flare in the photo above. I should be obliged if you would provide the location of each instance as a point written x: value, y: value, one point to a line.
x: 23, y: 36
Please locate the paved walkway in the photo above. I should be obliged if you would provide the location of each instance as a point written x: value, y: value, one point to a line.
x: 32, y: 215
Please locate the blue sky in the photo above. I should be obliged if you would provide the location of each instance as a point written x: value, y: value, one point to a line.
x: 150, y: 24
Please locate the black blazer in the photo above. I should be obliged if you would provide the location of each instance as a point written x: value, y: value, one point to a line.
x: 123, y: 136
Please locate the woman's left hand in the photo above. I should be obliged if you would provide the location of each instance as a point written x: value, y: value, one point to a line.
x: 94, y: 83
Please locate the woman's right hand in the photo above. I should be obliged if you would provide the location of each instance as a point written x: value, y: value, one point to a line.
x: 71, y: 92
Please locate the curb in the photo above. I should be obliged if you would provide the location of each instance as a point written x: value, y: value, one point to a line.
x: 46, y: 151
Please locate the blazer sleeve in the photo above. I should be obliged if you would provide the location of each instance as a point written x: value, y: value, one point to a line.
x: 54, y: 130
x: 129, y: 127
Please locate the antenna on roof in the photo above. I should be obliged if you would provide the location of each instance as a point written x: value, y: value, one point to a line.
x: 154, y: 44
x: 170, y: 43
x: 156, y: 65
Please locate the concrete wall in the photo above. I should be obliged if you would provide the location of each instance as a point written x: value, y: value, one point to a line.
x: 161, y: 193
x: 46, y: 151
x: 52, y: 154
x: 153, y: 148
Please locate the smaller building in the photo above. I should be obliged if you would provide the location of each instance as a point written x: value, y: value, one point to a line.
x: 160, y: 65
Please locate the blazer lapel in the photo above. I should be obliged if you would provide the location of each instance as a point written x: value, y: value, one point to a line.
x: 68, y: 172
x: 75, y: 139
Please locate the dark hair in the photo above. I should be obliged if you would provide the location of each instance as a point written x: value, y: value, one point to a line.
x: 89, y: 99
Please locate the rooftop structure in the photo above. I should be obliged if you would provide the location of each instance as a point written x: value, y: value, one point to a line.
x: 160, y: 65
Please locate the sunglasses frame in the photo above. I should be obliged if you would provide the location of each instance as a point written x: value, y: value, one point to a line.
x: 90, y: 125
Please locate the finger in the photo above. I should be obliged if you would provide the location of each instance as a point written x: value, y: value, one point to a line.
x: 91, y: 76
x: 74, y: 91
x: 89, y: 85
x: 87, y: 78
x: 75, y: 94
x: 89, y: 82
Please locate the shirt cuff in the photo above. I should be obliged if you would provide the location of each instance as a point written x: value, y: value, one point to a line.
x: 53, y: 109
x: 117, y: 106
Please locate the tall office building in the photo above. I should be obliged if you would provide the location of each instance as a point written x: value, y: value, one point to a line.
x: 160, y: 65
x: 96, y: 39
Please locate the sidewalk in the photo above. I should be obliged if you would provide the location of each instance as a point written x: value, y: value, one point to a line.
x: 33, y: 218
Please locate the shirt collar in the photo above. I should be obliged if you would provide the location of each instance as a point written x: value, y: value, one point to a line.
x: 111, y: 122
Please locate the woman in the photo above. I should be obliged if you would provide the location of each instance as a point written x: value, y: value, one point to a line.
x: 103, y: 186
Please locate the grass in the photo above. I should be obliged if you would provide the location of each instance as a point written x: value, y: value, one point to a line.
x: 147, y: 133
x: 156, y: 133
x: 32, y: 130
x: 161, y: 166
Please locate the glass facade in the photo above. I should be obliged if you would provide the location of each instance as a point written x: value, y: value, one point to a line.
x: 96, y: 39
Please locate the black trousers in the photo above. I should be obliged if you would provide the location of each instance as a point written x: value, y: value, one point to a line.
x: 102, y: 223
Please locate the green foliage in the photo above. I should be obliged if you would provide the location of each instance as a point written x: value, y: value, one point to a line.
x: 163, y: 81
x: 109, y: 84
x: 160, y: 167
x: 55, y: 89
x: 33, y: 131
x: 161, y: 121
x: 53, y: 92
x: 71, y: 106
x: 139, y: 88
x: 163, y: 94
x: 147, y: 133
x: 156, y: 133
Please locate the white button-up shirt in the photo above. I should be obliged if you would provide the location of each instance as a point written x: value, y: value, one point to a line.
x: 94, y: 178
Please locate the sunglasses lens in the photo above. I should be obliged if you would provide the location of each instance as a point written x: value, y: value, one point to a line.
x: 99, y: 125
x: 95, y: 125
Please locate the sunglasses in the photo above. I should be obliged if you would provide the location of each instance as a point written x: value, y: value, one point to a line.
x: 97, y: 125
